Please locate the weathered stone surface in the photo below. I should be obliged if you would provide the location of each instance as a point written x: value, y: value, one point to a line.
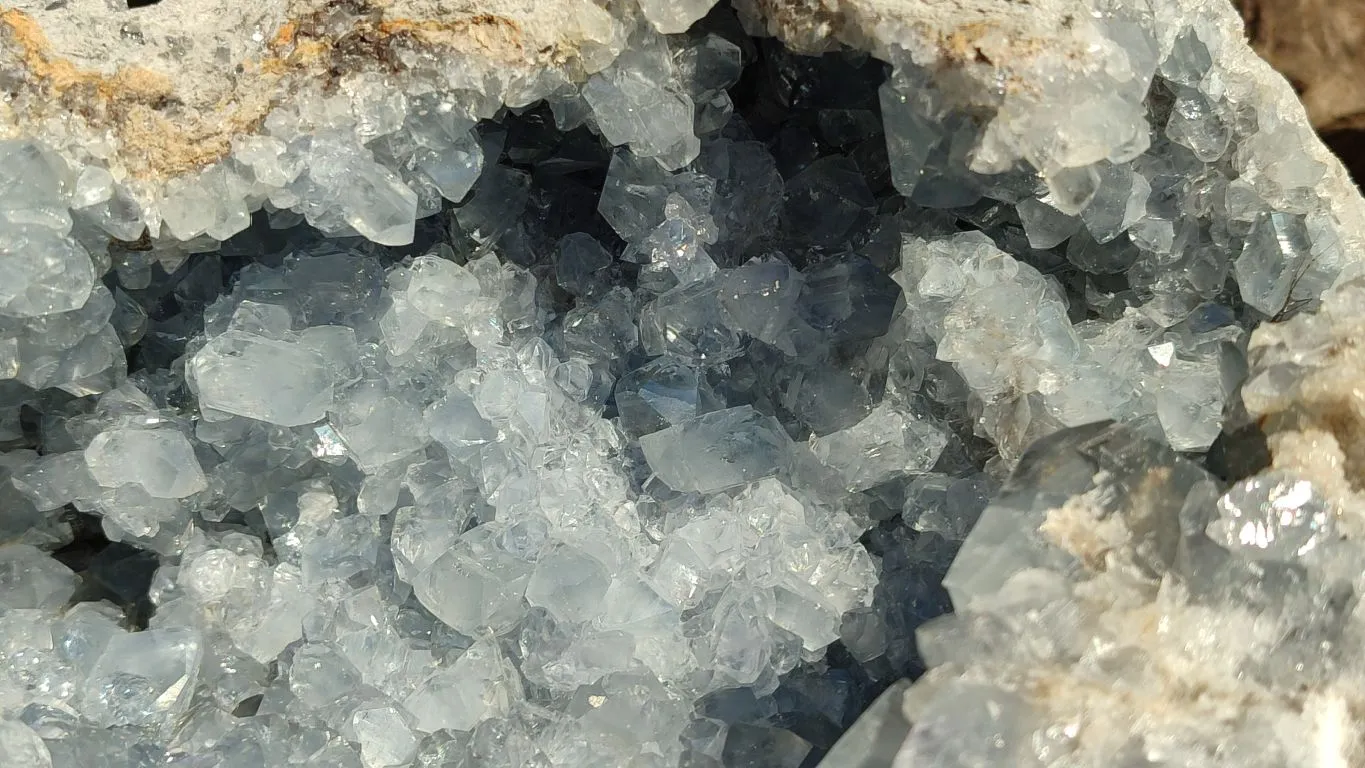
x: 181, y: 80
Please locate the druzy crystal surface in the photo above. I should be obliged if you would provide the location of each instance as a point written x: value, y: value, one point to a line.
x: 654, y: 392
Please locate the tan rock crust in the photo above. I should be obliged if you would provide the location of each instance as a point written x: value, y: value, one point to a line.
x: 178, y: 112
x: 162, y: 92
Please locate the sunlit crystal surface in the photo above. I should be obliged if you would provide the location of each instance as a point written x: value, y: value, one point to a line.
x: 659, y: 405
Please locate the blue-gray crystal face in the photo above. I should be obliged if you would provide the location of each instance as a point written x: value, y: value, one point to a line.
x: 663, y: 392
x: 717, y: 451
x: 849, y: 299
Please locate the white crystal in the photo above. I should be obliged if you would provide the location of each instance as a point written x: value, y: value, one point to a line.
x: 463, y: 695
x: 569, y: 583
x: 31, y: 579
x: 162, y: 461
x: 385, y: 740
x: 887, y: 444
x: 718, y: 450
x: 144, y: 679
x: 269, y: 380
x: 673, y: 17
x: 470, y: 593
x: 441, y: 289
x: 42, y: 271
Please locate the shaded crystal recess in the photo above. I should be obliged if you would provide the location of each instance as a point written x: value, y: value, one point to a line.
x: 657, y: 384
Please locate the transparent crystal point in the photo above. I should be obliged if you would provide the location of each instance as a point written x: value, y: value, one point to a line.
x: 885, y: 445
x: 144, y: 679
x: 663, y: 392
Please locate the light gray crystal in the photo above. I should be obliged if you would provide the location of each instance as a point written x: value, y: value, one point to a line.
x: 885, y: 445
x: 162, y: 461
x: 279, y: 382
x: 21, y: 746
x: 718, y: 450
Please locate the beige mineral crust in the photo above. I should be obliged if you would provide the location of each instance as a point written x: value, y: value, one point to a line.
x: 161, y: 92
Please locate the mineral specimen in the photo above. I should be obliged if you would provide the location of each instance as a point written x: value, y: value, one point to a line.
x: 410, y: 383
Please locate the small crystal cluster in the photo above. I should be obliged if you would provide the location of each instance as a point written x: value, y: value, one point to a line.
x: 640, y: 426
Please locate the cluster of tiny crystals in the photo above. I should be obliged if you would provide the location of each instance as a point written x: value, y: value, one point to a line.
x: 638, y: 426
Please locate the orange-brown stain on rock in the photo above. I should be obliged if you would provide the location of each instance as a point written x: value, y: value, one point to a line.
x: 162, y: 138
x: 495, y: 35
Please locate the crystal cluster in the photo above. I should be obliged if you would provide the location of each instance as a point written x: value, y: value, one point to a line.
x: 456, y: 538
x: 638, y: 424
x: 1112, y: 605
